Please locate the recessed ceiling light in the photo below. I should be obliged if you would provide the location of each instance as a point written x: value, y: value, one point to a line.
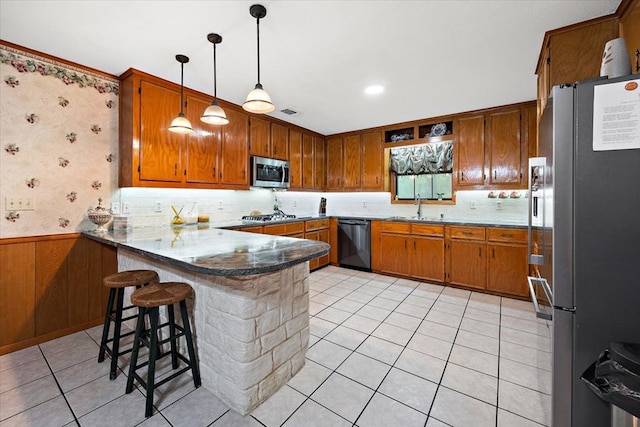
x: 374, y: 89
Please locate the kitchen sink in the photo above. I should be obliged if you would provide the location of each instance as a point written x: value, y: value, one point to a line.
x: 416, y: 218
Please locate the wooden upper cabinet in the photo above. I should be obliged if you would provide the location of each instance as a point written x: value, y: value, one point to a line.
x: 159, y: 152
x: 504, y: 146
x: 234, y: 151
x: 352, y: 162
x: 202, y: 146
x: 334, y: 163
x: 577, y: 54
x: 295, y: 159
x: 260, y: 137
x: 372, y: 161
x: 469, y: 147
x: 307, y: 161
x: 279, y: 141
x: 318, y: 162
x: 630, y: 30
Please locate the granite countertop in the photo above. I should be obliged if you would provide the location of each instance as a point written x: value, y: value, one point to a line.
x: 208, y: 250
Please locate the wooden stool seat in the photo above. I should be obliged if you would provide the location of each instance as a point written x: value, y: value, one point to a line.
x: 158, y: 294
x: 131, y: 278
x: 115, y: 307
x: 149, y: 299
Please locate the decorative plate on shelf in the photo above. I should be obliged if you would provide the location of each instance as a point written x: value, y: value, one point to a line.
x: 439, y: 129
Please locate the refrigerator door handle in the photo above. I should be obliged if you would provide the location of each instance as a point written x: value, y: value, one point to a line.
x: 541, y: 313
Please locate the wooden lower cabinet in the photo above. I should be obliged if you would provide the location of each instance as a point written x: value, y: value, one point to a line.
x: 406, y: 249
x: 51, y: 286
x: 489, y: 259
x: 319, y: 230
x: 468, y: 263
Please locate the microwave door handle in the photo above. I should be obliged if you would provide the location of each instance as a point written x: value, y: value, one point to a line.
x: 283, y: 175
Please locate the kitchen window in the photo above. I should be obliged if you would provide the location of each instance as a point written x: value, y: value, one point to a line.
x: 424, y: 170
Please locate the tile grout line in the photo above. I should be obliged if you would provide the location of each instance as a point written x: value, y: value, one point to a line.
x: 75, y: 418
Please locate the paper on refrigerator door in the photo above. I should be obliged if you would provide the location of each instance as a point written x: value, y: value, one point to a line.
x: 616, y: 116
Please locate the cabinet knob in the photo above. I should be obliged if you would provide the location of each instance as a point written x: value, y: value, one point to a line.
x: 175, y: 169
x: 480, y: 252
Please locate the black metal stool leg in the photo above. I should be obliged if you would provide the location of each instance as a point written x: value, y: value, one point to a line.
x: 153, y: 347
x: 115, y: 345
x: 172, y: 334
x: 192, y: 354
x: 134, y: 352
x: 107, y: 324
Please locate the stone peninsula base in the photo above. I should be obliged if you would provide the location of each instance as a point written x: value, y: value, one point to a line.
x: 251, y: 332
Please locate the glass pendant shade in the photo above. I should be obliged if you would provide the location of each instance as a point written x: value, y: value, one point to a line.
x: 181, y: 125
x: 258, y: 101
x: 214, y: 115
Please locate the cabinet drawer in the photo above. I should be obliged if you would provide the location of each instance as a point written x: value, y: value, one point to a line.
x: 427, y: 229
x: 253, y: 229
x: 518, y: 235
x: 284, y: 229
x: 396, y: 227
x: 316, y: 224
x: 467, y: 233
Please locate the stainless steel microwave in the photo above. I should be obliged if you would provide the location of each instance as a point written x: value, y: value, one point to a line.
x: 269, y: 173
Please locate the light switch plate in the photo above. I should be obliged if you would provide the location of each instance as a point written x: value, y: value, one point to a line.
x: 19, y: 204
x: 115, y: 208
x: 126, y: 208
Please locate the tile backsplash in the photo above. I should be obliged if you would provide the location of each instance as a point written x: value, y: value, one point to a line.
x: 152, y: 207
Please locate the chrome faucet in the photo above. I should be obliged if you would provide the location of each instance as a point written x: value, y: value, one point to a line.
x: 416, y: 201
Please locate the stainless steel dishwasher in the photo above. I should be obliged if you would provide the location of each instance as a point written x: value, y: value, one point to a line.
x: 354, y: 243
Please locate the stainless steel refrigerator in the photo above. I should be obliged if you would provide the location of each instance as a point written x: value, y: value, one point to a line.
x: 584, y: 233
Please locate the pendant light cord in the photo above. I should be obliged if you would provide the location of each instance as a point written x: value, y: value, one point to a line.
x: 215, y: 83
x: 181, y: 87
x: 258, y: 27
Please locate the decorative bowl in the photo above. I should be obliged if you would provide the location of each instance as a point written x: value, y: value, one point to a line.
x: 100, y: 216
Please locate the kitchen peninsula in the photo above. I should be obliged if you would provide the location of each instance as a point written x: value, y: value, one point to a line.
x: 250, y: 308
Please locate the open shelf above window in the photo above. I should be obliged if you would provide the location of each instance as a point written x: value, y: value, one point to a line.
x: 435, y: 129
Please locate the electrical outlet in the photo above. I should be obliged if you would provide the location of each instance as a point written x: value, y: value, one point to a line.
x: 19, y: 203
x: 158, y: 206
x: 498, y: 205
x: 126, y: 208
x: 295, y: 203
x: 220, y: 205
x: 115, y: 208
x: 364, y: 204
x: 472, y: 205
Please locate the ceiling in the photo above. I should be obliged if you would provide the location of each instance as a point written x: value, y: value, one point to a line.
x: 433, y: 57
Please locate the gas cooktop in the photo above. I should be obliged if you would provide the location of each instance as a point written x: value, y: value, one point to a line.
x: 268, y: 217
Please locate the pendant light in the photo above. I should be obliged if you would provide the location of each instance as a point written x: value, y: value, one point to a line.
x: 258, y: 101
x: 214, y: 114
x: 181, y: 124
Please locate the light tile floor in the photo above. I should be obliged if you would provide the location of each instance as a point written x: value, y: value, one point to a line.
x: 383, y: 352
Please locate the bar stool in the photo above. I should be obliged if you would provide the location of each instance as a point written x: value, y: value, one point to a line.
x: 117, y: 282
x: 149, y: 299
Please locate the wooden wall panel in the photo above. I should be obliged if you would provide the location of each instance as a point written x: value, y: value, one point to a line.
x: 51, y: 285
x: 77, y: 282
x: 17, y: 292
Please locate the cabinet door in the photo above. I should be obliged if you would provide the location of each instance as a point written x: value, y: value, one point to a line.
x: 503, y: 146
x: 577, y: 54
x: 323, y: 236
x: 530, y: 124
x: 468, y: 264
x: 307, y: 161
x: 334, y: 163
x: 372, y: 161
x: 470, y: 150
x: 394, y: 259
x: 318, y: 162
x: 508, y: 269
x: 201, y: 147
x: 159, y: 149
x: 279, y: 141
x: 234, y: 153
x: 312, y: 235
x: 427, y: 258
x: 295, y: 158
x: 259, y: 139
x: 352, y: 166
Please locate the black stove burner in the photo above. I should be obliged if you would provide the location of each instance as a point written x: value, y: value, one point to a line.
x: 268, y: 217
